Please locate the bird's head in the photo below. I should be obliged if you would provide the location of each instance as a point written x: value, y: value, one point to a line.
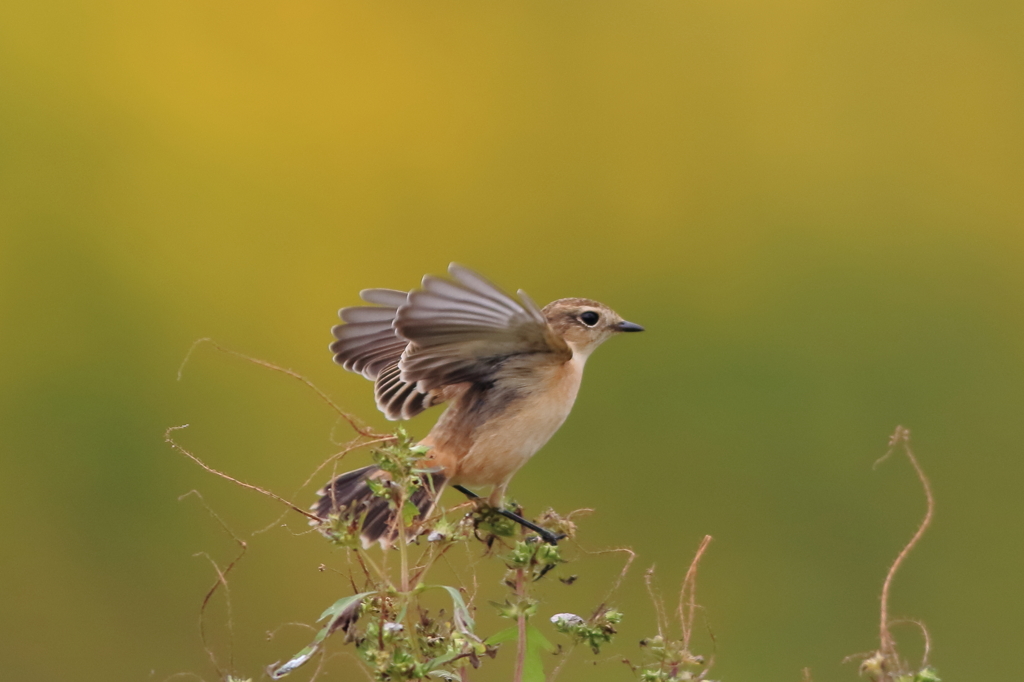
x: 585, y: 324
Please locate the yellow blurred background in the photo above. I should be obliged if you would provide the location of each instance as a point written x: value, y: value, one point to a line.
x: 815, y: 209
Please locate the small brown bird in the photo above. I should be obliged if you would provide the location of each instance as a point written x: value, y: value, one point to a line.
x: 509, y: 370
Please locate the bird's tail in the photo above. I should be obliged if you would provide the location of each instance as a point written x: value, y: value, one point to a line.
x: 350, y: 494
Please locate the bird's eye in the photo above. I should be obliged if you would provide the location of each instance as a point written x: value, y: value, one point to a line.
x: 589, y: 318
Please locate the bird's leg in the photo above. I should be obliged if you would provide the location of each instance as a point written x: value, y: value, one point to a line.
x: 545, y: 534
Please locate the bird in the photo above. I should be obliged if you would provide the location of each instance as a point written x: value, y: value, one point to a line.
x: 508, y: 369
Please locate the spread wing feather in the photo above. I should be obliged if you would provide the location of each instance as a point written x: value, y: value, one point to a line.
x: 367, y: 343
x: 462, y: 330
x: 391, y: 298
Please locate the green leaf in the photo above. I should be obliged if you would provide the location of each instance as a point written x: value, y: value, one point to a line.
x: 409, y: 512
x: 332, y: 614
x: 463, y: 620
x: 437, y: 662
x: 535, y: 637
x: 446, y: 675
x: 536, y: 644
x: 507, y: 635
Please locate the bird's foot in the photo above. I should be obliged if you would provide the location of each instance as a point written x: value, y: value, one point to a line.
x: 545, y: 534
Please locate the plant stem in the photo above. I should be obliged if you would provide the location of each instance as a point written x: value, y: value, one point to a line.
x: 902, y: 437
x: 403, y: 552
x: 364, y: 556
x: 407, y: 597
x: 521, y: 642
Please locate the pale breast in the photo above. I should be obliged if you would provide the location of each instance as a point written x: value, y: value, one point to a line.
x: 503, y: 444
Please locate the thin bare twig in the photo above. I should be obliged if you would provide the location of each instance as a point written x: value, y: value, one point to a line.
x: 341, y: 654
x: 352, y: 421
x: 858, y: 656
x: 687, y: 608
x: 631, y: 556
x: 901, y: 436
x: 924, y: 634
x: 184, y: 674
x: 305, y: 626
x: 656, y: 599
x: 333, y: 459
x: 221, y: 581
x: 322, y: 658
x: 625, y: 568
x: 173, y: 444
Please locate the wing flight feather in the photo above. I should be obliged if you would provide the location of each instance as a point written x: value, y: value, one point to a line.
x: 367, y: 342
x: 463, y: 329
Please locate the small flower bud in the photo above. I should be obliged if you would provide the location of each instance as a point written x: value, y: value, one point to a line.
x: 566, y: 619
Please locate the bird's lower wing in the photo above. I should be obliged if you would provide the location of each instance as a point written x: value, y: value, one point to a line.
x: 399, y: 399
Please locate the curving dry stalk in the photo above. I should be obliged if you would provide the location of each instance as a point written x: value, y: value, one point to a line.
x: 274, y: 496
x: 672, y: 659
x: 887, y: 646
x: 352, y: 421
x: 885, y: 664
x: 222, y: 581
x: 688, y: 595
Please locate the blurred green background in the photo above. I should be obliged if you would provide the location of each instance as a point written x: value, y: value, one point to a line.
x: 815, y: 209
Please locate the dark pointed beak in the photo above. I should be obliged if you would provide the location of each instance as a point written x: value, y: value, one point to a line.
x: 628, y: 327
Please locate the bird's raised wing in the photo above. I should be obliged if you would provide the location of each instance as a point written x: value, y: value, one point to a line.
x: 367, y: 343
x: 465, y: 330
